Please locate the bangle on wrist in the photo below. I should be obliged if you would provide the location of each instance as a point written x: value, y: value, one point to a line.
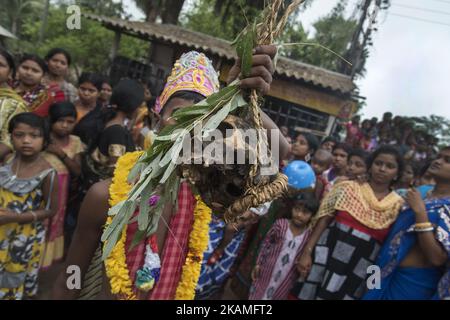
x: 424, y: 229
x: 423, y: 225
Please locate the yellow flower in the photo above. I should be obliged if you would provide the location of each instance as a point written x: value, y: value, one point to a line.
x: 116, y: 264
x: 198, y: 243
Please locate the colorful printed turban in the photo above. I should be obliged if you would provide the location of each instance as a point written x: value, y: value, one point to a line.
x: 192, y: 72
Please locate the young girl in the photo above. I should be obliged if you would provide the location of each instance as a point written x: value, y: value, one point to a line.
x: 352, y: 223
x: 274, y: 273
x: 410, y: 174
x: 320, y: 163
x: 10, y: 102
x: 38, y: 97
x: 28, y: 196
x: 58, y: 62
x: 105, y: 93
x: 64, y: 154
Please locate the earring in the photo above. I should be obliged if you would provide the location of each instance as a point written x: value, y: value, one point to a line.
x: 308, y: 157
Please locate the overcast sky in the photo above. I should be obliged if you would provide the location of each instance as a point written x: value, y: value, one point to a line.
x: 409, y: 66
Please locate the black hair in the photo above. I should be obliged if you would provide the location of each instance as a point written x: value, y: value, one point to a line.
x: 313, y: 142
x: 105, y: 79
x: 358, y: 152
x: 93, y: 78
x: 35, y: 58
x: 56, y: 51
x: 424, y: 168
x: 127, y: 95
x: 60, y: 110
x: 329, y: 139
x: 186, y: 95
x: 343, y: 146
x: 391, y: 150
x: 33, y: 121
x: 9, y: 60
x: 306, y: 200
x: 415, y: 166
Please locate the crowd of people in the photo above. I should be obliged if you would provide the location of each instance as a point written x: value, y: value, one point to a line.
x: 380, y: 197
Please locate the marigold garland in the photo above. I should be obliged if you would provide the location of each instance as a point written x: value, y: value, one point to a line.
x: 198, y: 243
x: 115, y: 264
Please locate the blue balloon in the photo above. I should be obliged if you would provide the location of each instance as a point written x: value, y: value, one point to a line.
x: 300, y: 175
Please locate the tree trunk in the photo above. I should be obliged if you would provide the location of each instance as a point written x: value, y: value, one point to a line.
x: 44, y: 21
x: 153, y: 10
x: 171, y: 11
x: 219, y: 5
x: 14, y: 26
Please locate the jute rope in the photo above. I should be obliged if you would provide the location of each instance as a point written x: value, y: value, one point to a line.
x: 256, y: 193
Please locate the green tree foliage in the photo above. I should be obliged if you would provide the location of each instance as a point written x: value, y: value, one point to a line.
x: 90, y: 46
x: 435, y: 126
x: 334, y: 32
x: 13, y: 12
x: 226, y: 18
x: 103, y: 7
x: 203, y: 18
x: 167, y: 10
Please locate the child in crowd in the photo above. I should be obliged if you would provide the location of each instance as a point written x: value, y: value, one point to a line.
x: 328, y: 143
x: 275, y: 270
x: 304, y: 146
x: 28, y: 196
x: 357, y: 167
x: 409, y: 176
x: 340, y: 161
x: 320, y: 163
x: 64, y: 155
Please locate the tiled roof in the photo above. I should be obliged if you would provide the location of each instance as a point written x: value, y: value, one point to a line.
x: 222, y: 48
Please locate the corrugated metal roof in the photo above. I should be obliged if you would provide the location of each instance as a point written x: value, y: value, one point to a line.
x: 199, y: 41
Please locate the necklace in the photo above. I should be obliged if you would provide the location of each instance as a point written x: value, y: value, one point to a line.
x: 14, y: 176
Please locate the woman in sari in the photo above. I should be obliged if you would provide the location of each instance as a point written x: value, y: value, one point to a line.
x: 10, y: 102
x: 415, y: 259
x: 38, y: 97
x: 64, y: 155
x: 352, y: 223
x: 58, y: 62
